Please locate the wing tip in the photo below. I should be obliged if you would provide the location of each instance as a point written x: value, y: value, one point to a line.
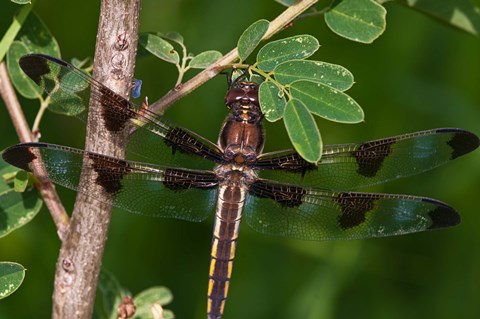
x: 19, y: 155
x: 443, y: 216
x: 462, y: 141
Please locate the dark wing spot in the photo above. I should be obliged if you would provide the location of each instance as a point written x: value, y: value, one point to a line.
x: 443, y: 215
x: 35, y: 66
x: 20, y: 156
x: 179, y: 139
x: 370, y: 156
x: 110, y: 172
x: 116, y: 111
x: 354, y: 209
x: 463, y: 142
x: 177, y: 179
x: 285, y: 195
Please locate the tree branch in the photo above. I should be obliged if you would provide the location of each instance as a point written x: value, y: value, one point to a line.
x: 46, y: 188
x: 79, y: 262
x: 224, y: 62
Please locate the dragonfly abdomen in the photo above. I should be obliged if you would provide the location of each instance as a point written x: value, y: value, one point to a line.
x: 224, y: 242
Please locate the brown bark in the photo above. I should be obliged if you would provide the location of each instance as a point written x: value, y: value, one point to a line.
x: 80, y: 258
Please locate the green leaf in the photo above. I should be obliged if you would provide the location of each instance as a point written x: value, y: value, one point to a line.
x: 111, y: 295
x: 151, y: 300
x: 276, y: 52
x: 36, y: 36
x: 17, y: 209
x: 287, y: 3
x: 22, y: 1
x: 24, y: 85
x: 327, y: 102
x: 251, y: 37
x: 33, y: 37
x: 172, y: 36
x: 11, y: 277
x: 462, y: 14
x: 20, y: 182
x: 272, y: 101
x: 204, y: 59
x: 333, y: 75
x: 303, y: 131
x: 159, y: 47
x: 358, y: 20
x: 13, y: 30
x: 256, y: 78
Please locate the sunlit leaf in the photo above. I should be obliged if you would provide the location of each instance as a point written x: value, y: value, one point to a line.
x: 462, y: 14
x: 151, y: 301
x: 16, y: 209
x: 205, y: 59
x: 11, y: 277
x: 272, y: 101
x: 111, y: 294
x: 159, y: 47
x: 251, y: 37
x: 10, y: 35
x: 287, y: 3
x: 358, y: 20
x: 22, y: 1
x: 276, y: 52
x: 20, y: 182
x: 327, y: 102
x: 173, y: 36
x: 329, y: 74
x: 24, y: 85
x: 303, y: 131
x: 37, y: 38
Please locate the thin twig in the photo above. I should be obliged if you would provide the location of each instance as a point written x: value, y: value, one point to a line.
x: 46, y: 188
x: 224, y: 62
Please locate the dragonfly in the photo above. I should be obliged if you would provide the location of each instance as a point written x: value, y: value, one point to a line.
x: 174, y: 172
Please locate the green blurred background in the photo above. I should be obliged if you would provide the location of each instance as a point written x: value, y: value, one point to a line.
x: 419, y: 74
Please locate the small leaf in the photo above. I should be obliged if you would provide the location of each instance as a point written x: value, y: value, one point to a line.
x: 357, y: 20
x: 11, y: 277
x: 24, y: 85
x: 111, y: 294
x: 272, y: 101
x: 204, y: 59
x: 17, y: 209
x: 37, y: 38
x: 462, y: 14
x: 172, y: 36
x: 303, y: 131
x: 85, y: 63
x: 327, y: 102
x: 333, y: 75
x: 13, y: 29
x: 287, y: 3
x: 159, y: 47
x: 276, y: 52
x: 20, y: 182
x: 256, y: 78
x: 251, y: 37
x: 152, y: 300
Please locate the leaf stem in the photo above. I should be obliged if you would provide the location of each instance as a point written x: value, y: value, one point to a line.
x: 277, y: 25
x: 36, y: 124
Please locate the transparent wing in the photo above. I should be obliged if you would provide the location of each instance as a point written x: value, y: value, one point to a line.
x: 139, y: 188
x: 351, y: 166
x: 153, y: 137
x: 313, y: 214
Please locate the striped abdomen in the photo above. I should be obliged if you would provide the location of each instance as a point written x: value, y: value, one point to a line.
x: 224, y: 242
